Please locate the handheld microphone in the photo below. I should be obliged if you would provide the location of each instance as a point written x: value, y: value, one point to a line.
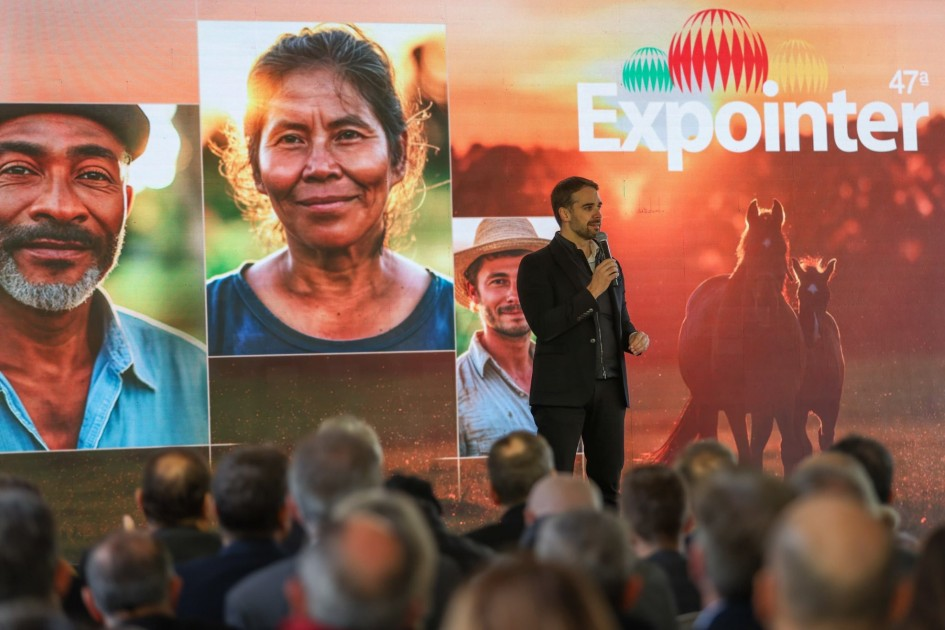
x: 601, y: 238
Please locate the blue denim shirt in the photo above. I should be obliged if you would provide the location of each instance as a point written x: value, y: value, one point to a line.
x: 489, y: 404
x: 148, y: 388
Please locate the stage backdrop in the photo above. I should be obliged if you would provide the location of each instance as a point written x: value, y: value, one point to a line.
x: 683, y: 112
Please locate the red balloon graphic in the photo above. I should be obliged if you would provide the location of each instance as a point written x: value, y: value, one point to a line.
x: 717, y: 46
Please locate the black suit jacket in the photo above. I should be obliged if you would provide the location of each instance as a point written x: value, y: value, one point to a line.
x: 207, y: 580
x: 504, y: 535
x: 563, y: 315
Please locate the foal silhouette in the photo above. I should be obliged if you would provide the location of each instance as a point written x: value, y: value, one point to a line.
x: 822, y: 385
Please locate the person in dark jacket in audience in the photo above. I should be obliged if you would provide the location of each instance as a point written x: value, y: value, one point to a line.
x: 516, y: 462
x: 653, y: 502
x: 249, y: 490
x: 174, y: 497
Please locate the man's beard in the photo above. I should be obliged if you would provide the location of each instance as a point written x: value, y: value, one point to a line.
x: 491, y: 319
x: 55, y: 296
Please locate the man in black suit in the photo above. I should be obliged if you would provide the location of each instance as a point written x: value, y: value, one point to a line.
x: 175, y: 499
x: 341, y: 457
x: 573, y: 299
x: 516, y: 462
x: 249, y: 491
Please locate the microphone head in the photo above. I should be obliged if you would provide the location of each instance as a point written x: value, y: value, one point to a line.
x: 600, y: 237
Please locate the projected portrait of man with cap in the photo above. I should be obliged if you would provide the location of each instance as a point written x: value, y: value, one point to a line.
x: 494, y: 375
x: 77, y: 371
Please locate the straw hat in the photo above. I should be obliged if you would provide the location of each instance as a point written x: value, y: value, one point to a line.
x: 492, y: 236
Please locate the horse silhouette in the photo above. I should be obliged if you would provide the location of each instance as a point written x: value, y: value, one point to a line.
x: 741, y: 349
x: 822, y: 384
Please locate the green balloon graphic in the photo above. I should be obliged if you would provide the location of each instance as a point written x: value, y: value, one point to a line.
x: 647, y: 71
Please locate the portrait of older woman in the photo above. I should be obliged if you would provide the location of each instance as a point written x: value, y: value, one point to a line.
x: 328, y: 165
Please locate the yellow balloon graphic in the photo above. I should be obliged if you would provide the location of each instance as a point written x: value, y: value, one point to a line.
x: 798, y: 68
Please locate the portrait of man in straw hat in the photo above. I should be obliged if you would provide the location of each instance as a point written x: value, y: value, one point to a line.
x: 493, y: 376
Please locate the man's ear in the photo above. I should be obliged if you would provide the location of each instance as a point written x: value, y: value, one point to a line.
x: 765, y: 597
x: 286, y: 514
x: 139, y: 501
x: 529, y: 517
x: 90, y: 606
x: 174, y: 589
x: 563, y: 213
x: 295, y: 596
x: 63, y: 575
x: 208, y: 511
x: 294, y: 511
x: 129, y: 199
x: 903, y: 594
x: 473, y: 293
x: 494, y: 496
x: 631, y: 591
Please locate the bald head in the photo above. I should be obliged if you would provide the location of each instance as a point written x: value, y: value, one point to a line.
x: 830, y: 563
x: 557, y: 494
x: 174, y: 487
x: 516, y: 462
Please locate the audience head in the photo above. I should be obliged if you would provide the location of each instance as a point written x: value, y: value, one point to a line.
x: 829, y: 564
x: 516, y: 462
x: 518, y: 593
x: 700, y: 460
x: 556, y: 494
x: 28, y: 553
x: 249, y: 489
x: 736, y: 510
x: 653, y: 501
x: 342, y: 456
x: 174, y: 488
x: 372, y: 566
x: 926, y: 611
x: 875, y: 459
x: 129, y: 574
x: 834, y: 473
x: 33, y: 614
x: 596, y: 543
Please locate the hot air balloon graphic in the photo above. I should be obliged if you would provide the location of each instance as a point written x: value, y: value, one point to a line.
x: 798, y: 68
x: 717, y: 48
x: 647, y: 70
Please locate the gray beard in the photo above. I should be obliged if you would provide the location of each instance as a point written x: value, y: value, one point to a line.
x: 54, y: 297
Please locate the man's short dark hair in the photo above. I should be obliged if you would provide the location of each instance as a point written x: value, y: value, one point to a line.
x: 174, y: 486
x: 653, y: 501
x: 28, y: 554
x: 516, y: 462
x: 875, y: 458
x: 127, y: 571
x: 563, y: 190
x: 249, y: 488
x: 736, y: 511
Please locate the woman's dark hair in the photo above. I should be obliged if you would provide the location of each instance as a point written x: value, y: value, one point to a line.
x: 361, y: 63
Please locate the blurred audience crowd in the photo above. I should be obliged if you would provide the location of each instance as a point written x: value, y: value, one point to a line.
x: 322, y: 540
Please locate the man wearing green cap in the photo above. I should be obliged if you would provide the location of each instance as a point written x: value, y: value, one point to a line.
x: 77, y: 371
x: 493, y: 377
